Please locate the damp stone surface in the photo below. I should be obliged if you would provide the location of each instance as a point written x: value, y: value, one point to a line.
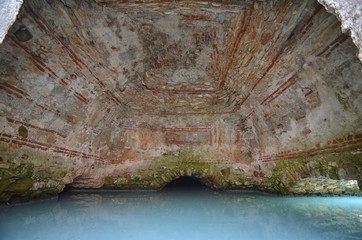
x: 262, y: 95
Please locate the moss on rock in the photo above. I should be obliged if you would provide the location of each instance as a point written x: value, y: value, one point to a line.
x: 20, y: 186
x: 289, y: 173
x: 29, y: 174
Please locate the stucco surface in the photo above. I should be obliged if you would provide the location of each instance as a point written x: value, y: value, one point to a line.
x: 241, y: 94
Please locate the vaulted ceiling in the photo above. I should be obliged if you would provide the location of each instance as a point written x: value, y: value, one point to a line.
x: 119, y: 82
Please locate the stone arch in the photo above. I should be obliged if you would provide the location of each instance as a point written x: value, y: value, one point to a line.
x: 207, y: 181
x: 185, y: 182
x: 211, y: 178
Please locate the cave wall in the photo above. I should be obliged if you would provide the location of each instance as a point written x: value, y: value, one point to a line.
x: 8, y: 11
x: 242, y: 94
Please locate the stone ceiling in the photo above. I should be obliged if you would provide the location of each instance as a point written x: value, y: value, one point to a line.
x: 107, y: 86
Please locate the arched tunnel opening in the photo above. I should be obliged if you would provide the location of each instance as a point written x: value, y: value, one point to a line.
x: 185, y: 183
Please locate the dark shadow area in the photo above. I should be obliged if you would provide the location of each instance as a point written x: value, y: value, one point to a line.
x: 185, y: 183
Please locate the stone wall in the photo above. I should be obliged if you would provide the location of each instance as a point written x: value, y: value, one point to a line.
x: 349, y: 14
x: 241, y: 94
x: 8, y: 11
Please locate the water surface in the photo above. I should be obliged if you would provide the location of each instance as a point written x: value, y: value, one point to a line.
x: 201, y: 214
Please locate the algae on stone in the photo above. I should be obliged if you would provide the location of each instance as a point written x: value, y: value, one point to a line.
x: 30, y: 174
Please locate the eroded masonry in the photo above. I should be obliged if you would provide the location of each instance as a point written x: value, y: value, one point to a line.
x: 133, y: 94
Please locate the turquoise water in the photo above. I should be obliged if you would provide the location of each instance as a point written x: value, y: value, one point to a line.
x: 202, y: 214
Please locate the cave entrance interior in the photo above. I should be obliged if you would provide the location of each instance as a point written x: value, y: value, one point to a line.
x: 132, y: 94
x: 185, y: 183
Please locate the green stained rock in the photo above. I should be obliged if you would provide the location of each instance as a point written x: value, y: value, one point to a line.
x: 136, y: 178
x: 43, y: 173
x: 5, y: 197
x: 37, y: 194
x: 5, y: 183
x: 21, y: 185
x: 225, y: 172
x: 333, y: 173
x: 108, y: 181
x: 120, y: 181
x: 164, y: 178
x: 60, y: 188
x: 338, y: 190
x: 22, y: 169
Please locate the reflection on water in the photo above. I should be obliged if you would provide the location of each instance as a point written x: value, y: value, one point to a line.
x: 202, y: 214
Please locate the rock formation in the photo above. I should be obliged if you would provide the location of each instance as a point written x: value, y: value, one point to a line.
x: 132, y: 94
x: 8, y: 11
